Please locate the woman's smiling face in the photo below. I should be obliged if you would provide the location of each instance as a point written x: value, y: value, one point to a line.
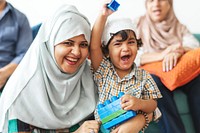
x: 157, y: 9
x: 71, y: 53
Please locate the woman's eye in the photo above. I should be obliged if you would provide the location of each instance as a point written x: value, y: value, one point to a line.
x: 116, y: 44
x: 84, y: 45
x: 149, y: 0
x: 68, y: 43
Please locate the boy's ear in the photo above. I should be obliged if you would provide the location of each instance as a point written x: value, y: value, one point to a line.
x: 105, y: 51
x: 139, y: 42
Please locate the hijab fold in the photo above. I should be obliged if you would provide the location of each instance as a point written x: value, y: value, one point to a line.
x: 39, y: 93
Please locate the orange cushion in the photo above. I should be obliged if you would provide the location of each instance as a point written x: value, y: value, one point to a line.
x: 187, y: 68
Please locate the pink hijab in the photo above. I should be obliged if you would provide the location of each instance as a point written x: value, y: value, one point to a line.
x: 158, y: 36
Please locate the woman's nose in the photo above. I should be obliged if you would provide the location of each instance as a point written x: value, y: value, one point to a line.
x: 156, y: 2
x: 76, y: 51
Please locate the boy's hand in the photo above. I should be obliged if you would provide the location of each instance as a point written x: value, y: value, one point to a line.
x: 129, y: 102
x: 105, y: 10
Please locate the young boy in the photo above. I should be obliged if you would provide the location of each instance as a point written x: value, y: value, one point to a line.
x: 115, y: 71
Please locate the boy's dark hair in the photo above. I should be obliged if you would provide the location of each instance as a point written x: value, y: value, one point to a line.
x: 124, y: 34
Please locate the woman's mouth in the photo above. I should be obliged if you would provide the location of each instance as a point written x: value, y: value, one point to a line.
x: 71, y: 61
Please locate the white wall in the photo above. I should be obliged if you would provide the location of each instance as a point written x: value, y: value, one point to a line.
x: 188, y: 11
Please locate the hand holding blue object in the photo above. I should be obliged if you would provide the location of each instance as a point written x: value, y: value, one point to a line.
x: 111, y: 113
x: 113, y: 5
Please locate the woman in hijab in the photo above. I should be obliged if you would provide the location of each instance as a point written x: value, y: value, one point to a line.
x: 52, y: 90
x: 166, y: 39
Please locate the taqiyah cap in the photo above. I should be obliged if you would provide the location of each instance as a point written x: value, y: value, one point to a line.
x: 115, y: 25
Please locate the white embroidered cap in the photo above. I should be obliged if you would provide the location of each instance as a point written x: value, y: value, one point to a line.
x: 115, y: 25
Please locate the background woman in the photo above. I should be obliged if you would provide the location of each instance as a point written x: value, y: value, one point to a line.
x: 166, y: 39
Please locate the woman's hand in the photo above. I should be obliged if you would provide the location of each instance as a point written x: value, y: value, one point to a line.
x: 3, y: 78
x: 129, y: 102
x: 90, y: 126
x: 170, y: 61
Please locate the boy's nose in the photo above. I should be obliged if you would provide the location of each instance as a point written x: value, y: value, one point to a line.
x: 125, y: 47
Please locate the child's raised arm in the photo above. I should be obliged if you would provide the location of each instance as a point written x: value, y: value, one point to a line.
x: 96, y: 54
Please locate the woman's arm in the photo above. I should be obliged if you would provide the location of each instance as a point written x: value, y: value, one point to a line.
x: 190, y: 42
x: 146, y: 58
x: 159, y: 56
x: 6, y: 72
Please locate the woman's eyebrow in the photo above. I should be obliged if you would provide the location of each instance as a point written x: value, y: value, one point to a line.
x: 69, y: 40
x: 74, y: 41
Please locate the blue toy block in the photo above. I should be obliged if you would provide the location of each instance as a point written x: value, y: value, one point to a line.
x: 103, y: 130
x: 113, y: 5
x: 122, y: 118
x: 109, y: 108
x: 111, y: 113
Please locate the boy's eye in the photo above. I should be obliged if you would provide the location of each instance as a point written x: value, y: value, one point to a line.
x: 84, y: 45
x: 132, y: 42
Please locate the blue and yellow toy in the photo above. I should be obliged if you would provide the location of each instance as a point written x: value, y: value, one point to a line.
x: 111, y: 113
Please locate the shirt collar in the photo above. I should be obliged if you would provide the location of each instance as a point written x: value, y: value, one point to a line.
x: 127, y: 77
